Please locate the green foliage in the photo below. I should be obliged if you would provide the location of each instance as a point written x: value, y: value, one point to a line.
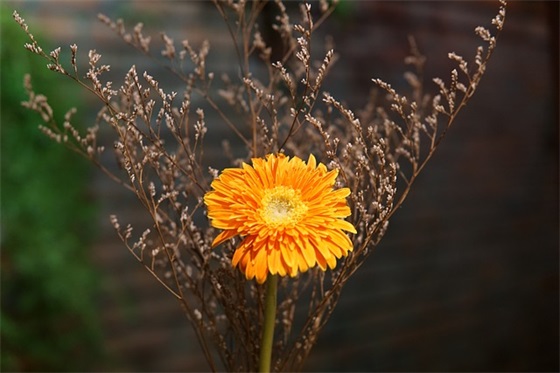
x: 48, y: 319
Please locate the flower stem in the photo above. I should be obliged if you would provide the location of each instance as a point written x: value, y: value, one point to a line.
x: 268, y: 326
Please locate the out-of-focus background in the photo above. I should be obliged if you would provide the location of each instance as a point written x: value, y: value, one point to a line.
x: 466, y: 278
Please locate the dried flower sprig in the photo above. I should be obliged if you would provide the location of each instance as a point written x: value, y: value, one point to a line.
x: 377, y: 152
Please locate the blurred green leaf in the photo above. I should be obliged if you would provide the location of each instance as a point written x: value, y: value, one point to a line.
x: 49, y: 316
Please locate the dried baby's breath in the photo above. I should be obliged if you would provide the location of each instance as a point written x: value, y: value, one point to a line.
x: 159, y: 136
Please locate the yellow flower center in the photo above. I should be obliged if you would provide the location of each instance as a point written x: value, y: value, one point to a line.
x: 282, y: 206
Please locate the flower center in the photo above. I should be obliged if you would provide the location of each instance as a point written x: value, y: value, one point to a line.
x: 282, y: 206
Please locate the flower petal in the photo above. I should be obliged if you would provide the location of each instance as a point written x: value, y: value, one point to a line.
x: 288, y: 212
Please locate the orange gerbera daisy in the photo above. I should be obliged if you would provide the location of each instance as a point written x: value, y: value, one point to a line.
x: 289, y: 215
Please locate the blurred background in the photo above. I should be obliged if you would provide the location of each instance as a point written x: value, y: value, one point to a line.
x: 466, y: 278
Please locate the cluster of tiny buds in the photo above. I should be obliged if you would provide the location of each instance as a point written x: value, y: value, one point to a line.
x: 159, y: 145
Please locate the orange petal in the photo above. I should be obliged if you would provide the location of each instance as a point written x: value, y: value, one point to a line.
x: 224, y: 236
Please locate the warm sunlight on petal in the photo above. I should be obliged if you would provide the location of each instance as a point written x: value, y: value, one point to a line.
x: 287, y: 212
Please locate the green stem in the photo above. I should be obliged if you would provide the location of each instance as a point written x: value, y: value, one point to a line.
x: 268, y: 326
